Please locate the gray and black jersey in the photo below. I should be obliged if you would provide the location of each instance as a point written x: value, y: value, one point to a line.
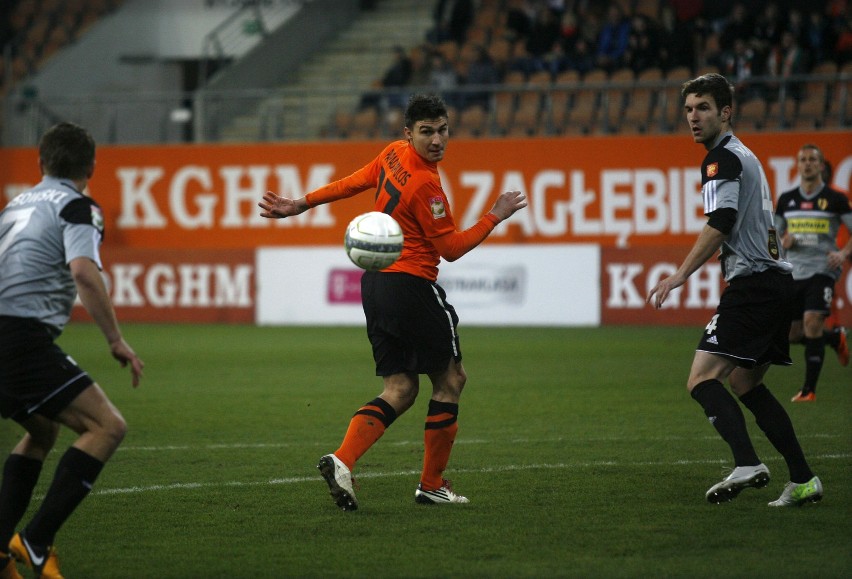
x: 41, y: 231
x: 732, y: 177
x: 813, y: 221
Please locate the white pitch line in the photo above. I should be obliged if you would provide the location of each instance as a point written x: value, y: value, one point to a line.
x: 367, y: 475
x: 262, y: 445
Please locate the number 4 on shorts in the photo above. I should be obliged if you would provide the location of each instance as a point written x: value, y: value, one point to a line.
x: 711, y: 327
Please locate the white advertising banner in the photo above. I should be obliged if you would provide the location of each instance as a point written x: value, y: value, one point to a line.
x: 529, y: 285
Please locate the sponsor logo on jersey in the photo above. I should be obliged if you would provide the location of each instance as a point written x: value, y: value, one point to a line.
x: 808, y: 225
x: 437, y: 206
x: 713, y: 340
x: 807, y: 205
x: 712, y: 169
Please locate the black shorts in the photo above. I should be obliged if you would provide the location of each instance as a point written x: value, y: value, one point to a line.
x: 814, y: 294
x: 752, y: 323
x: 36, y: 376
x: 411, y: 326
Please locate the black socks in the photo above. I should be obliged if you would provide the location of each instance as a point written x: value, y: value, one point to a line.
x: 724, y: 413
x: 75, y: 475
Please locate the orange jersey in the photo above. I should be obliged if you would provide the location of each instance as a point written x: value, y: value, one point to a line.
x: 408, y: 188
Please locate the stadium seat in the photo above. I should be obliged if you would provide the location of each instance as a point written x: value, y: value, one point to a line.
x: 671, y: 113
x: 473, y: 121
x: 525, y: 122
x: 839, y: 113
x: 779, y: 116
x: 559, y: 99
x: 641, y: 109
x: 750, y: 115
x: 505, y: 102
x: 614, y: 98
x: 583, y: 114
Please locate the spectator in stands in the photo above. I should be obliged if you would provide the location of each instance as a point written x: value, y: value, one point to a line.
x: 452, y: 19
x: 738, y: 66
x: 643, y: 50
x: 568, y: 30
x: 612, y: 40
x: 519, y: 18
x: 843, y: 45
x: 768, y: 28
x: 739, y: 25
x: 817, y: 36
x: 545, y: 32
x: 677, y: 46
x: 419, y: 56
x: 481, y: 72
x: 443, y: 78
x: 579, y: 57
x: 398, y: 75
x: 786, y: 59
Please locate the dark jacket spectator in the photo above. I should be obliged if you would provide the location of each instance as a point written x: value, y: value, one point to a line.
x: 612, y: 40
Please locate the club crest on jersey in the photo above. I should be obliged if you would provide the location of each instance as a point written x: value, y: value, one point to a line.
x: 97, y: 218
x: 712, y: 169
x: 436, y: 204
x: 822, y: 203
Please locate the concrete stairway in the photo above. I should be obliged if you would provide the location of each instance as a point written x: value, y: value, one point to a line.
x: 335, y: 77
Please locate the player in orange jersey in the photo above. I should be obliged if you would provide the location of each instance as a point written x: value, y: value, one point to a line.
x: 411, y: 326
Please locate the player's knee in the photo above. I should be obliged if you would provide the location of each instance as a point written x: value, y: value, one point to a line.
x: 114, y: 430
x: 39, y: 442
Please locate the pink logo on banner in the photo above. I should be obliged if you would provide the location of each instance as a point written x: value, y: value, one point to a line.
x: 344, y: 286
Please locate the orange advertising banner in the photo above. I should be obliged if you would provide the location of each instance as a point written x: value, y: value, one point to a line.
x: 190, y: 286
x: 627, y: 275
x: 616, y: 191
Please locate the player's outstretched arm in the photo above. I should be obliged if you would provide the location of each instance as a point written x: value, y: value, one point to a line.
x: 455, y: 244
x: 508, y: 203
x: 93, y: 294
x: 706, y: 245
x: 277, y: 207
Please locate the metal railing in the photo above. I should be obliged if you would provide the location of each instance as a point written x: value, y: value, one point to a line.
x: 293, y: 115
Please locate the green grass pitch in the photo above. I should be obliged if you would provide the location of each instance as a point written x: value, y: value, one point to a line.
x: 580, y: 450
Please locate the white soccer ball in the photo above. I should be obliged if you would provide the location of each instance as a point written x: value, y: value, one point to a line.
x: 373, y: 240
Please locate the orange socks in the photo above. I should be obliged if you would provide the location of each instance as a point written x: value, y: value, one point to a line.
x: 441, y: 428
x: 366, y: 427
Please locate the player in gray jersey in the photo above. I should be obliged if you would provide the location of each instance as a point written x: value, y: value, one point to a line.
x: 749, y: 330
x: 808, y: 219
x: 49, y: 254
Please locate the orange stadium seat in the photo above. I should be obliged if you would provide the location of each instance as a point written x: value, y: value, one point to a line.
x: 615, y: 98
x: 559, y: 99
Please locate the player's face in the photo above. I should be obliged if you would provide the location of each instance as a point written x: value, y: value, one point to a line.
x: 704, y: 119
x: 429, y: 138
x: 810, y: 165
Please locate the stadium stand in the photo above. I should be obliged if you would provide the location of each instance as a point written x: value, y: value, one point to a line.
x: 560, y: 97
x: 533, y: 67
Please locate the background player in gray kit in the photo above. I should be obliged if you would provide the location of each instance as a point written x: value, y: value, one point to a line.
x: 49, y: 253
x: 808, y: 219
x: 750, y: 328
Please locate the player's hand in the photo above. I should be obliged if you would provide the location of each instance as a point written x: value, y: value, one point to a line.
x: 276, y: 207
x: 836, y: 259
x: 661, y: 291
x: 787, y: 240
x: 122, y: 352
x: 507, y: 203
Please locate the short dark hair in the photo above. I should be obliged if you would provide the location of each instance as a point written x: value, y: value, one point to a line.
x: 814, y: 148
x: 422, y: 107
x: 713, y: 84
x: 67, y: 151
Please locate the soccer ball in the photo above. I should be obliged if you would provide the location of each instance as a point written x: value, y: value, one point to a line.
x: 373, y: 240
